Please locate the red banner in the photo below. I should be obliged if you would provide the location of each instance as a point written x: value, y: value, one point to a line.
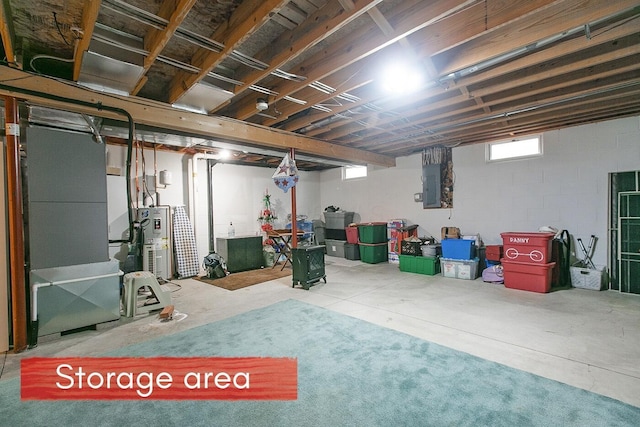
x: 159, y: 378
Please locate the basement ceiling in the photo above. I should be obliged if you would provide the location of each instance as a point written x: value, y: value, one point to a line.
x: 491, y: 69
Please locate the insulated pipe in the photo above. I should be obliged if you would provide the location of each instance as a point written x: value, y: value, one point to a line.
x: 36, y: 286
x: 16, y: 226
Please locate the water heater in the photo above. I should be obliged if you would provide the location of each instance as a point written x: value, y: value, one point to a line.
x: 156, y: 229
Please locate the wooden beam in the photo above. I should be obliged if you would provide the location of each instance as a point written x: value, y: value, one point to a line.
x: 245, y: 20
x: 314, y: 29
x: 163, y: 116
x: 531, y: 28
x: 7, y: 33
x: 156, y: 40
x: 483, y: 83
x: 366, y: 41
x: 89, y: 16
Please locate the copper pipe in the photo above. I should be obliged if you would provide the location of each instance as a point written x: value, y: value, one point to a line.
x: 16, y: 226
x: 294, y: 216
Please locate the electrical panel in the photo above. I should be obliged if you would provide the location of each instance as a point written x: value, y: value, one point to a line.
x: 156, y: 233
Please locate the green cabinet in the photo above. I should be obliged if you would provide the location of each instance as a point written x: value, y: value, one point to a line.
x: 241, y: 253
x: 308, y: 265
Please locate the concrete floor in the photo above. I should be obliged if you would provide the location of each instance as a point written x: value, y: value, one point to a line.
x: 584, y: 338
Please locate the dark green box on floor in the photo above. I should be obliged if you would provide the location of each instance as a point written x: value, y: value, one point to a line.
x: 373, y: 253
x: 351, y: 251
x: 420, y: 264
x: 375, y: 232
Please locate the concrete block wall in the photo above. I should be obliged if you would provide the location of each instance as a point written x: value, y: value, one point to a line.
x: 566, y: 188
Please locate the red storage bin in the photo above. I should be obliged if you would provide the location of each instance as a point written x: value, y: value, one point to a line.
x: 527, y: 276
x: 493, y: 252
x: 352, y: 235
x: 533, y: 248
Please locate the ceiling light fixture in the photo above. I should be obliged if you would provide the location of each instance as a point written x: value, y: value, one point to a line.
x: 262, y: 104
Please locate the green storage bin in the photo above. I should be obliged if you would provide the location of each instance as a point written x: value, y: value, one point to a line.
x: 429, y: 266
x: 372, y: 233
x: 408, y: 263
x: 373, y: 253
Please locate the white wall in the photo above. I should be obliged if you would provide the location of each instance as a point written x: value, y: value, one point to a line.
x: 237, y: 195
x: 567, y: 188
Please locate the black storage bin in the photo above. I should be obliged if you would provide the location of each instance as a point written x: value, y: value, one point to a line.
x: 335, y: 234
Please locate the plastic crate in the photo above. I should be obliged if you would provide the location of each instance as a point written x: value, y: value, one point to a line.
x: 338, y: 220
x: 408, y: 247
x: 373, y: 253
x: 352, y: 234
x: 494, y: 252
x: 459, y: 268
x: 351, y: 251
x: 527, y: 276
x: 586, y: 278
x: 458, y: 249
x: 532, y: 247
x: 374, y: 232
x: 419, y: 264
x: 335, y: 247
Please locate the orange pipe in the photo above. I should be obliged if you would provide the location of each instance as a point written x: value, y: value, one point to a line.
x: 294, y: 216
x: 16, y: 226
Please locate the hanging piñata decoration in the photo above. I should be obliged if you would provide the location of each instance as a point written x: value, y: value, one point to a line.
x: 286, y: 176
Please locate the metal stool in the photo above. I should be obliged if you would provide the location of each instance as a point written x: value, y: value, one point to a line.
x: 135, y: 281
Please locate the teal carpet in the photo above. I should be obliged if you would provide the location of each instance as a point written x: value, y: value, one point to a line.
x: 350, y: 372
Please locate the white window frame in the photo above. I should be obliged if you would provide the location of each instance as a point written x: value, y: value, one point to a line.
x: 529, y: 155
x: 350, y: 172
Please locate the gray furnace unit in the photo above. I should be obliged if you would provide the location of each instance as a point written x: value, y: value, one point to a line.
x: 73, y: 282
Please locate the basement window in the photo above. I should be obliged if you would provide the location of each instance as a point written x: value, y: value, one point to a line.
x: 514, y: 149
x: 353, y: 172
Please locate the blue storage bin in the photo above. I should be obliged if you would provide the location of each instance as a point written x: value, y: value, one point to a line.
x: 458, y: 248
x: 306, y: 226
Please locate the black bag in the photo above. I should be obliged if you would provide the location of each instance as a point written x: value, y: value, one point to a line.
x: 215, y: 266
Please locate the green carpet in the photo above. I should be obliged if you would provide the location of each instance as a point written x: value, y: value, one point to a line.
x: 350, y: 372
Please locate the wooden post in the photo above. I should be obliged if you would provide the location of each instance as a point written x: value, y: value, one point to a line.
x: 294, y: 216
x: 16, y: 226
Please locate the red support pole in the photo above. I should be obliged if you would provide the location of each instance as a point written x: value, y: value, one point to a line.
x: 294, y: 216
x: 16, y: 226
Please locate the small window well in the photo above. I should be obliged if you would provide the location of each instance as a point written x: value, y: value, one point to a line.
x: 353, y: 172
x: 514, y: 149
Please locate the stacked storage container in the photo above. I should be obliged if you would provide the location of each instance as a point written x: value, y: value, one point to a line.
x: 412, y: 258
x: 458, y: 259
x: 336, y: 235
x: 373, y: 242
x: 351, y: 249
x: 526, y: 261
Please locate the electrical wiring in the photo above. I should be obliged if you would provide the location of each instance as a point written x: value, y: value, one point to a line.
x: 55, y: 19
x: 55, y: 58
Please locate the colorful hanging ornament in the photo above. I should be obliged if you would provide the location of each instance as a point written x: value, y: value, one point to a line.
x: 267, y: 215
x: 286, y: 175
